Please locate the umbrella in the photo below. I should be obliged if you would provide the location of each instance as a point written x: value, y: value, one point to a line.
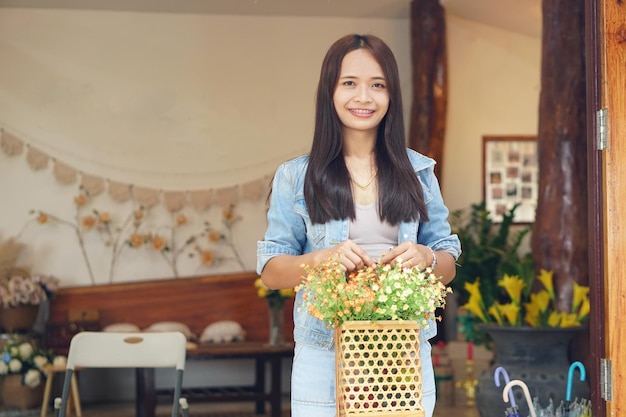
x: 513, y: 411
x: 578, y: 408
x: 496, y: 378
x: 570, y: 374
x: 517, y: 382
x: 544, y: 412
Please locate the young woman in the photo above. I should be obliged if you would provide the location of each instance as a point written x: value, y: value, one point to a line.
x: 359, y: 194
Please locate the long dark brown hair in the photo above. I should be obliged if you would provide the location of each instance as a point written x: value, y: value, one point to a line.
x: 327, y: 190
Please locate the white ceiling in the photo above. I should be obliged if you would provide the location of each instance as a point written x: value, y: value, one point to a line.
x: 522, y: 16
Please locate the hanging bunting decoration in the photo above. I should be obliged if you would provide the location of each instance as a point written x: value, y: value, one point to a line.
x: 174, y: 200
x: 254, y: 190
x: 92, y: 184
x: 146, y: 197
x: 11, y: 145
x: 37, y: 160
x: 119, y: 191
x: 227, y: 196
x: 201, y: 199
x: 65, y: 174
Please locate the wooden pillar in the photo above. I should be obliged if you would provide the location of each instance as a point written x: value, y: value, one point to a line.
x: 430, y: 89
x: 559, y: 238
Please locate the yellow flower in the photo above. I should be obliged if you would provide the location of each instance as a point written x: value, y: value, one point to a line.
x: 540, y: 300
x: 473, y: 288
x: 286, y: 292
x: 262, y: 292
x: 532, y: 317
x: 513, y: 286
x: 569, y: 320
x: 585, y: 308
x: 495, y: 313
x: 554, y: 319
x: 581, y: 294
x: 475, y: 306
x: 510, y: 312
x: 546, y: 279
x: 536, y: 308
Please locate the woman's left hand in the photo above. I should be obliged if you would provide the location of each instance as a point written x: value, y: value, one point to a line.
x: 410, y: 254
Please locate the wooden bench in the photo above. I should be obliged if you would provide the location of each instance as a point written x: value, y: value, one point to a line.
x: 196, y: 302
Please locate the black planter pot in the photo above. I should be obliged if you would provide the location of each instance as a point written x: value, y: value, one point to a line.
x: 537, y: 356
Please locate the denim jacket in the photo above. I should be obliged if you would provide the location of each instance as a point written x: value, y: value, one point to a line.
x: 290, y: 232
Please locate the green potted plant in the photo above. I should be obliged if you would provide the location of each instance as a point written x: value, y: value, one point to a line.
x: 490, y: 250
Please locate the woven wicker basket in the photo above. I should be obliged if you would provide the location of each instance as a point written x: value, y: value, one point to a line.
x: 17, y: 395
x: 378, y: 369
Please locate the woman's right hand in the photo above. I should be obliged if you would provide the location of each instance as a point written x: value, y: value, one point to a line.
x: 352, y: 256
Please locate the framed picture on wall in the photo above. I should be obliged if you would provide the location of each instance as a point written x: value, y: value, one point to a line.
x: 510, y: 176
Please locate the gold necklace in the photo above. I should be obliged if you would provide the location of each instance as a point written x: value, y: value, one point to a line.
x: 364, y: 186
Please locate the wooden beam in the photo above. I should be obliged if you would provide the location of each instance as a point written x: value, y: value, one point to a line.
x: 430, y: 80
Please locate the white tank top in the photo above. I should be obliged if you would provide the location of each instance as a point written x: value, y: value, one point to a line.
x: 369, y: 232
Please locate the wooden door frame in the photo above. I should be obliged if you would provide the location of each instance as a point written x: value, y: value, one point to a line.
x: 606, y: 84
x: 595, y: 202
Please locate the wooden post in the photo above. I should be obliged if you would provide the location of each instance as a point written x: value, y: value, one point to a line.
x: 430, y: 88
x: 559, y: 238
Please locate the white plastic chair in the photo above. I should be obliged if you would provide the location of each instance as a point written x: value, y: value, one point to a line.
x: 126, y: 350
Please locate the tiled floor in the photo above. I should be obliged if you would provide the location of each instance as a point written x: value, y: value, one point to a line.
x: 234, y: 410
x: 461, y: 411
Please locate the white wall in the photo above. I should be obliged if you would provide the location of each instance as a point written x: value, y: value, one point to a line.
x: 494, y: 81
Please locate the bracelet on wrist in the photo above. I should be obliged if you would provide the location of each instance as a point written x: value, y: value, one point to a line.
x: 433, y: 265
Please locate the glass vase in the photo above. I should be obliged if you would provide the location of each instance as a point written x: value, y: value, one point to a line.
x: 277, y: 324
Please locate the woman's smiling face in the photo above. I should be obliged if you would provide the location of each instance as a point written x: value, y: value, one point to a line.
x: 361, y: 98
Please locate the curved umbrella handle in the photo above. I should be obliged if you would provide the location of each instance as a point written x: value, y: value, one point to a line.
x: 501, y: 371
x: 517, y: 382
x: 570, y: 374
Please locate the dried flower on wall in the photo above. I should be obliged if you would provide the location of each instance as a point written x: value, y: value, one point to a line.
x: 135, y: 231
x: 203, y: 245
